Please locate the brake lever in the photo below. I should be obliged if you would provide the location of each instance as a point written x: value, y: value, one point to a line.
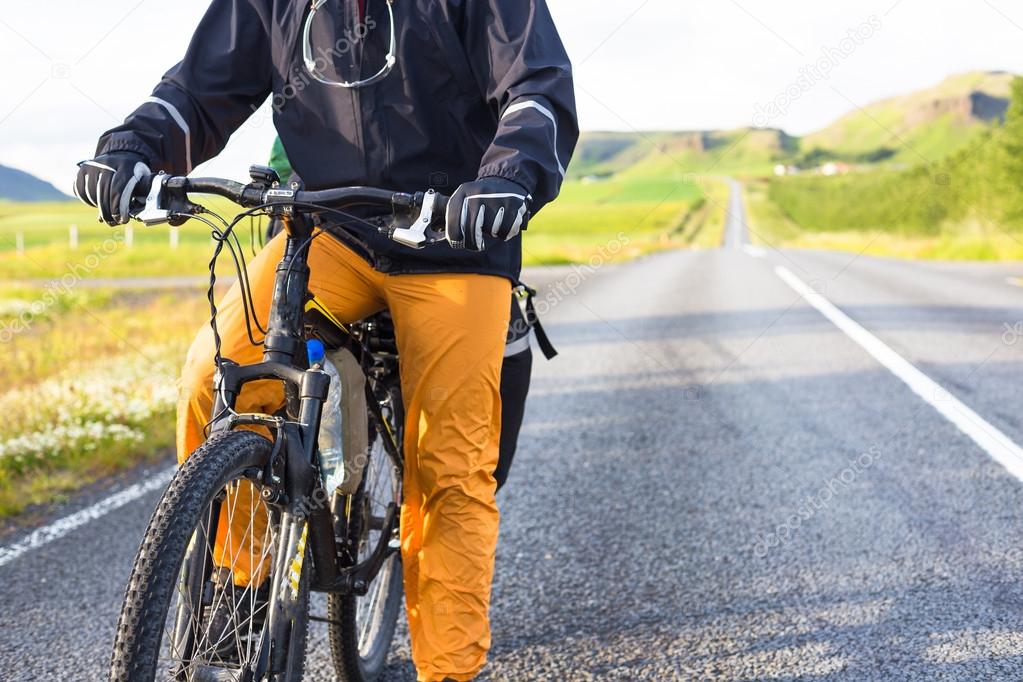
x: 421, y: 232
x: 174, y: 210
x: 153, y: 213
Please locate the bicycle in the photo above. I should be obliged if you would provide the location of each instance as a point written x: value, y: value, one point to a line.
x: 183, y: 617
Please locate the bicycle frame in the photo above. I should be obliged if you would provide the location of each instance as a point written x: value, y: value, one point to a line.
x: 290, y: 480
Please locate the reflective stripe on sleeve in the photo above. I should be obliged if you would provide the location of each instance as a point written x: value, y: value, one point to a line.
x: 182, y: 123
x: 530, y: 104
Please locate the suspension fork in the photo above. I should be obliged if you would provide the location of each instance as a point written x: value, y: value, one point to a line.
x: 299, y: 442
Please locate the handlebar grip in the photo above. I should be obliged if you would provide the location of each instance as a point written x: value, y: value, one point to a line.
x: 441, y: 206
x: 143, y: 186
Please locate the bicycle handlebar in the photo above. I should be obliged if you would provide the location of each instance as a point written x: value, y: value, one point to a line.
x: 166, y: 198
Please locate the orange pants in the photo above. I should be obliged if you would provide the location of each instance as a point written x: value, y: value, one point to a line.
x: 451, y: 332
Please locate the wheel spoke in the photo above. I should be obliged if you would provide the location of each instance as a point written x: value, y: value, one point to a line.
x: 210, y: 648
x: 381, y: 490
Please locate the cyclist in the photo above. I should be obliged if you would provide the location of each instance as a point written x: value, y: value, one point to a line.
x: 474, y: 96
x: 517, y: 367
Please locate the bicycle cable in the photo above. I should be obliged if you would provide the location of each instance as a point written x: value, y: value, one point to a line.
x: 223, y: 236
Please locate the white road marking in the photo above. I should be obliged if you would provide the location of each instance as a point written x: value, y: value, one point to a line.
x: 999, y: 446
x: 735, y: 226
x: 754, y: 251
x: 61, y: 527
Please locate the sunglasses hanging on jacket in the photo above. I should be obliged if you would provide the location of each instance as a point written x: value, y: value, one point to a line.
x: 311, y: 62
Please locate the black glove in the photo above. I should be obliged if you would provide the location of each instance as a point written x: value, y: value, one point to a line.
x: 489, y: 208
x: 108, y: 182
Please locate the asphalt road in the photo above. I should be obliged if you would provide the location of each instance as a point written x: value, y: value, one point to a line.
x: 714, y: 482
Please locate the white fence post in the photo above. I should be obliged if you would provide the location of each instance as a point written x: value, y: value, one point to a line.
x: 19, y: 243
x: 174, y: 237
x: 129, y: 236
x: 72, y: 237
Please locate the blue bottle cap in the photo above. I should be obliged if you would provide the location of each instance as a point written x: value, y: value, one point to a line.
x: 315, y: 350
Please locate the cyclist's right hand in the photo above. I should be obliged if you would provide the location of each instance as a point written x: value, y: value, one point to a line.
x: 108, y: 183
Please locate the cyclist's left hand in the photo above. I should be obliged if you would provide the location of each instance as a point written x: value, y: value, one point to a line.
x: 484, y: 210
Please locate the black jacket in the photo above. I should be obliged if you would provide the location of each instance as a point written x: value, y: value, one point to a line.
x: 480, y: 88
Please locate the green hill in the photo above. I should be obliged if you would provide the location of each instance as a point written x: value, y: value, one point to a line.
x: 678, y: 153
x: 925, y: 125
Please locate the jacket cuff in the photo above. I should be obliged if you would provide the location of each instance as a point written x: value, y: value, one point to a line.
x: 509, y: 173
x: 120, y: 142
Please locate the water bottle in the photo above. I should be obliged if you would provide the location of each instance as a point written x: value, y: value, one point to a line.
x: 331, y: 450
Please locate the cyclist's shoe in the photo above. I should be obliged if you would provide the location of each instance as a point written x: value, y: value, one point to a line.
x: 236, y: 617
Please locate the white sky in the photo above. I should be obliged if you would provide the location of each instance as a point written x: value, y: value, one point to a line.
x: 74, y: 69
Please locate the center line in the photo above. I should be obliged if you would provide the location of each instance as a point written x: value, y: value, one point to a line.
x: 999, y: 446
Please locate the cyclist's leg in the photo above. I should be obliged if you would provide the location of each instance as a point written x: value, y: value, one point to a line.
x: 348, y: 286
x: 516, y: 372
x: 451, y: 335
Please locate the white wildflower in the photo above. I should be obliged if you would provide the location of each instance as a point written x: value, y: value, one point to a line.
x: 41, y: 445
x: 15, y: 307
x: 76, y: 412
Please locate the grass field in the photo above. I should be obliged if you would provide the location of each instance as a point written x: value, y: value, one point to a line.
x: 102, y: 251
x: 88, y: 384
x: 641, y: 215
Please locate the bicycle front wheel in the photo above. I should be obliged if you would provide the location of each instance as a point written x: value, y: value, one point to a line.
x: 206, y: 594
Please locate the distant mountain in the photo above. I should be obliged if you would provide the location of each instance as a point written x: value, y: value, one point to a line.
x: 16, y: 185
x: 676, y: 153
x: 928, y: 124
